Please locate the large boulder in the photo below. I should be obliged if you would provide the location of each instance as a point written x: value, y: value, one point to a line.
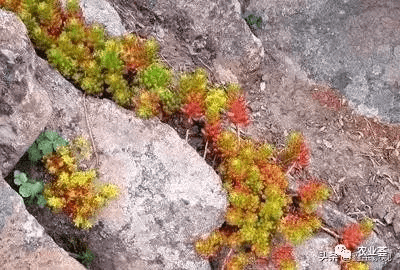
x: 24, y: 105
x: 352, y: 45
x: 24, y: 243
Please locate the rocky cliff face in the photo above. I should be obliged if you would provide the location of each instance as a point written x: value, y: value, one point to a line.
x: 170, y: 196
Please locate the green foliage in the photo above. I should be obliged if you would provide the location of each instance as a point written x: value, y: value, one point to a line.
x: 155, y: 76
x: 29, y: 188
x: 170, y: 100
x: 228, y: 144
x: 248, y: 202
x: 86, y: 257
x: 73, y: 6
x: 61, y: 61
x: 41, y: 39
x: 252, y: 19
x: 210, y: 246
x: 147, y: 105
x: 96, y: 37
x: 216, y: 103
x: 195, y: 82
x: 109, y: 57
x: 274, y: 205
x: 298, y: 227
x: 92, y: 82
x: 46, y: 143
x: 119, y: 88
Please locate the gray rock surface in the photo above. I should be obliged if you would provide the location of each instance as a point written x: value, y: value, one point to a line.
x: 24, y: 244
x: 24, y: 106
x: 351, y: 44
x: 101, y: 11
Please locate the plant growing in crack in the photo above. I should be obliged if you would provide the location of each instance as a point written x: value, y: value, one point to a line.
x: 29, y: 189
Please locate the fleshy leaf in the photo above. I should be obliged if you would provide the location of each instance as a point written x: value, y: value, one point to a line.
x: 20, y: 178
x: 34, y: 153
x: 25, y: 190
x: 45, y: 146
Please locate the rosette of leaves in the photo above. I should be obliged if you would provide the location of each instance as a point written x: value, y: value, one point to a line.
x: 295, y: 152
x: 137, y: 53
x: 297, y: 227
x: 46, y: 143
x: 354, y: 234
x: 210, y: 245
x: 92, y: 82
x: 311, y: 195
x: 195, y: 82
x: 155, y: 76
x: 147, y: 105
x: 238, y: 113
x: 30, y: 189
x: 216, y: 103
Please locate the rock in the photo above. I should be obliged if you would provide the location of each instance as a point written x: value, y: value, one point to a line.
x: 316, y: 252
x: 169, y: 196
x: 24, y: 105
x: 102, y: 12
x: 24, y: 244
x: 351, y: 45
x: 396, y: 223
x: 200, y: 33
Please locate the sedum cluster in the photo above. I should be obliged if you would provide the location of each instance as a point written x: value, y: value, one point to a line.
x: 73, y: 191
x: 261, y: 212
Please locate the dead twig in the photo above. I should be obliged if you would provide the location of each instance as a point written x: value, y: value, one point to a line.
x: 226, y: 259
x: 205, y: 150
x: 187, y: 135
x: 330, y: 232
x: 90, y: 131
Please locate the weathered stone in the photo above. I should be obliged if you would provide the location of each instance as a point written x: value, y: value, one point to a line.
x: 352, y: 45
x: 24, y: 244
x: 315, y: 253
x: 25, y: 107
x: 200, y: 33
x: 101, y: 11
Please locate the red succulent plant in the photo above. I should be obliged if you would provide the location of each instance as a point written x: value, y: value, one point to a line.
x: 283, y: 256
x: 238, y: 113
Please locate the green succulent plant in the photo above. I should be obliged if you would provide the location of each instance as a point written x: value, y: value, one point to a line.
x: 155, y: 76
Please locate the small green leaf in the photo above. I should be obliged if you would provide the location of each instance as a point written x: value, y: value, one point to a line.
x: 36, y: 188
x: 41, y: 201
x: 51, y: 135
x: 20, y: 178
x: 59, y: 142
x: 45, y: 146
x: 34, y: 153
x: 25, y: 190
